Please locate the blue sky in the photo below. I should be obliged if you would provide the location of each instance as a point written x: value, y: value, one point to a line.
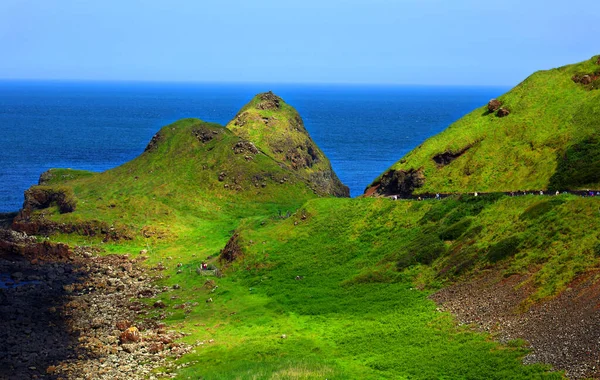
x: 430, y: 42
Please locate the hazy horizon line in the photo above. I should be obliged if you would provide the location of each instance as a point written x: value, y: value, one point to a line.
x: 208, y: 82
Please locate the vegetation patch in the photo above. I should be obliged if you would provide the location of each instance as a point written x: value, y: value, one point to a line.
x: 503, y: 249
x: 578, y: 166
x: 538, y: 209
x: 456, y: 230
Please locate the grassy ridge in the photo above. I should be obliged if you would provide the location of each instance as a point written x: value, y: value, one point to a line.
x: 549, y: 140
x: 182, y: 177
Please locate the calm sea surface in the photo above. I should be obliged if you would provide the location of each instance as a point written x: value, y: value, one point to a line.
x: 97, y: 126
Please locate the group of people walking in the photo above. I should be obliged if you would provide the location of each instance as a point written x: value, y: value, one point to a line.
x: 584, y: 193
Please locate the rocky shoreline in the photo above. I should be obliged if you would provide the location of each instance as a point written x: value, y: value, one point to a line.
x: 74, y: 314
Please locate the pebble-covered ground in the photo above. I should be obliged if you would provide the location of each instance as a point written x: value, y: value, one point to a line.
x: 563, y: 331
x: 79, y: 316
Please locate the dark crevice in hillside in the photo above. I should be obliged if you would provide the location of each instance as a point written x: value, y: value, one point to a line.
x: 443, y: 159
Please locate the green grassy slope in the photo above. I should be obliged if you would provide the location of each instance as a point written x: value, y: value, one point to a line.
x: 278, y: 129
x: 355, y: 311
x: 548, y: 141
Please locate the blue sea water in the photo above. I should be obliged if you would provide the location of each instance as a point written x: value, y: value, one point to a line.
x: 100, y: 125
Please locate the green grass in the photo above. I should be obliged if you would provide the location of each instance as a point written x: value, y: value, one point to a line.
x: 549, y: 140
x: 352, y: 315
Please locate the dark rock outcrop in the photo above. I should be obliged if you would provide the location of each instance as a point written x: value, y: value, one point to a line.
x: 42, y: 197
x: 493, y: 105
x: 205, y: 135
x: 245, y: 147
x: 232, y: 250
x: 586, y: 79
x: 502, y: 112
x: 156, y: 139
x: 398, y: 182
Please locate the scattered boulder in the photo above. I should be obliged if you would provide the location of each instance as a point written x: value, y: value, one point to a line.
x: 123, y: 324
x: 586, y: 79
x: 159, y: 305
x: 131, y: 335
x: 205, y: 135
x: 493, y: 105
x: 244, y: 147
x: 502, y: 112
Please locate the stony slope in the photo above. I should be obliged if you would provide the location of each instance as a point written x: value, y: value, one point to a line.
x: 543, y: 134
x: 279, y: 130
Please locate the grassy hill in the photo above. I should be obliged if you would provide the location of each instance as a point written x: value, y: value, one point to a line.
x: 278, y: 129
x: 543, y: 134
x: 190, y: 169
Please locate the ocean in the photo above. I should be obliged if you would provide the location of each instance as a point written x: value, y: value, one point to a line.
x: 100, y: 125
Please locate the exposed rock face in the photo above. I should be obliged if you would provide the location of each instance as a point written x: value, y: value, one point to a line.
x: 156, y: 139
x: 502, y: 112
x: 232, y: 249
x: 41, y: 197
x: 280, y: 133
x: 398, y: 182
x: 205, y: 135
x: 598, y: 61
x: 268, y: 101
x: 493, y: 105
